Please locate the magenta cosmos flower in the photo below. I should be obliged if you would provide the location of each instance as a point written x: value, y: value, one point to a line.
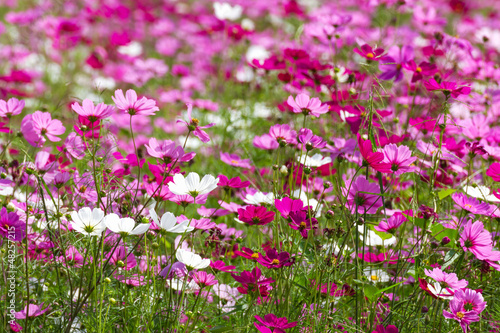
x: 392, y: 223
x: 11, y: 108
x: 494, y: 171
x: 448, y: 88
x: 40, y: 125
x: 92, y: 112
x: 253, y: 282
x: 266, y: 142
x: 477, y: 240
x: 465, y: 307
x: 283, y: 134
x: 133, y: 106
x: 420, y: 70
x: 193, y: 125
x: 399, y: 158
x: 204, y: 279
x: 31, y: 310
x: 307, y: 105
x: 362, y: 196
x: 273, y: 259
x: 255, y: 215
x: 235, y: 160
x: 286, y: 205
x: 167, y: 151
x: 310, y: 141
x: 366, y: 51
x: 387, y: 329
x: 303, y: 224
x: 235, y: 182
x: 272, y: 324
x: 371, y: 158
x: 471, y: 204
x: 10, y: 225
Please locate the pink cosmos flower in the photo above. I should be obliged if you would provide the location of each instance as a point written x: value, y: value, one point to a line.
x: 465, y: 307
x: 300, y: 221
x: 255, y: 215
x: 31, y: 310
x: 40, y: 125
x: 286, y: 205
x: 273, y: 259
x: 272, y: 324
x: 362, y: 196
x: 221, y: 266
x: 307, y: 105
x: 391, y: 64
x: 448, y: 88
x: 471, y: 204
x: 446, y: 280
x: 387, y: 329
x: 371, y: 158
x: 167, y: 151
x: 476, y: 240
x: 392, y: 223
x: 10, y: 226
x: 193, y: 125
x: 420, y: 70
x: 310, y: 141
x: 73, y: 147
x: 92, y: 113
x: 253, y: 281
x: 494, y: 171
x: 399, y: 158
x: 235, y: 182
x: 369, y: 53
x: 131, y: 105
x: 283, y: 134
x: 235, y: 160
x: 204, y: 279
x: 11, y: 108
x: 266, y: 142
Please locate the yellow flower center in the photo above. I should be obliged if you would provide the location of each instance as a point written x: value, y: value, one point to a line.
x: 275, y: 262
x: 255, y: 256
x: 418, y: 70
x: 460, y: 315
x: 370, y: 55
x: 374, y: 277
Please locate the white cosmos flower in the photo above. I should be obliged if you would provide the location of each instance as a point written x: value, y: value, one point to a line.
x: 259, y: 198
x: 169, y: 223
x: 480, y: 192
x: 177, y: 284
x: 124, y: 226
x: 439, y: 291
x: 224, y: 11
x: 191, y: 259
x: 192, y: 185
x: 88, y: 222
x: 302, y: 195
x: 372, y: 239
x: 315, y: 161
x: 376, y: 275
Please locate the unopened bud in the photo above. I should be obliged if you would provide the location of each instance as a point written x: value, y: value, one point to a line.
x: 284, y: 170
x: 107, y: 280
x: 445, y: 240
x: 307, y: 170
x: 120, y: 263
x: 329, y: 214
x: 112, y: 300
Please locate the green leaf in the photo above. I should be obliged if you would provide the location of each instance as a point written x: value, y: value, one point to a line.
x: 449, y: 258
x: 383, y: 235
x: 444, y: 193
x: 370, y: 291
x: 387, y: 288
x: 220, y: 329
x: 452, y: 234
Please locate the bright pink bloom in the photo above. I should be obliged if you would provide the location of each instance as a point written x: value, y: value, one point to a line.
x: 167, y: 151
x: 465, y: 307
x: 10, y: 225
x: 477, y: 240
x: 221, y: 266
x: 369, y: 53
x: 392, y: 223
x: 253, y: 282
x: 273, y: 259
x: 448, y: 88
x: 286, y: 205
x: 204, y: 279
x: 446, y: 280
x: 272, y: 324
x: 387, y: 329
x: 266, y: 142
x: 131, y: 105
x: 193, y: 125
x: 255, y: 215
x: 420, y: 70
x: 362, y: 196
x: 31, y: 311
x: 310, y: 141
x: 91, y: 112
x: 235, y: 160
x: 232, y: 183
x: 399, y: 158
x: 73, y: 147
x: 371, y: 158
x: 283, y: 134
x: 300, y: 221
x: 494, y: 171
x: 307, y: 105
x: 471, y: 204
x: 35, y: 127
x: 11, y: 108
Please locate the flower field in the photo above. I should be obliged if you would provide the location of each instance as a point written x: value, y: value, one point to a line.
x: 274, y: 166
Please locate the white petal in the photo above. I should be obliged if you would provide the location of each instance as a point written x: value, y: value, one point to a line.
x: 141, y: 228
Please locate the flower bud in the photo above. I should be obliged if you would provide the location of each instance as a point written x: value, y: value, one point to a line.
x: 284, y: 170
x: 107, y: 280
x: 425, y: 309
x: 307, y: 170
x: 445, y: 240
x: 112, y: 300
x: 120, y: 263
x: 327, y: 184
x: 329, y: 214
x: 434, y: 245
x: 276, y: 167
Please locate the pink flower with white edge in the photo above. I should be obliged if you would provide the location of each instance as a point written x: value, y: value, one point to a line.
x: 307, y: 105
